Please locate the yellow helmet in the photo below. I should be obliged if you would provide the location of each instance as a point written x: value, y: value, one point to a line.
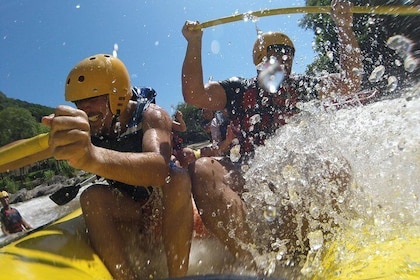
x: 4, y: 194
x: 268, y: 39
x: 99, y: 75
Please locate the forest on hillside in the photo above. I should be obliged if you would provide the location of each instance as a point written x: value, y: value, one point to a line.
x: 20, y: 119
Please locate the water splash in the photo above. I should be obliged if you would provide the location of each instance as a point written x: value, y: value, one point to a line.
x: 115, y: 50
x: 235, y: 154
x: 349, y: 168
x: 271, y: 74
x: 377, y: 74
x: 250, y: 17
x: 410, y: 63
x: 403, y: 47
x: 392, y: 84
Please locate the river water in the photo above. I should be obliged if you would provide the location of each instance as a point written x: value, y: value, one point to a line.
x: 374, y: 149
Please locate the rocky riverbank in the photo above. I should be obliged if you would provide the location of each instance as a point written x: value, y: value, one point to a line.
x: 46, y: 188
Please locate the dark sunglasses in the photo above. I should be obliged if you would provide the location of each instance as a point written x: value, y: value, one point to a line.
x: 281, y: 48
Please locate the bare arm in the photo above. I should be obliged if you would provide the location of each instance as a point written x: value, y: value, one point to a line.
x: 349, y: 79
x: 179, y: 124
x: 26, y: 224
x: 224, y: 145
x: 4, y: 230
x: 70, y: 140
x: 211, y: 96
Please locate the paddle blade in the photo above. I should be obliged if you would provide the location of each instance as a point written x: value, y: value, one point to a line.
x: 65, y: 195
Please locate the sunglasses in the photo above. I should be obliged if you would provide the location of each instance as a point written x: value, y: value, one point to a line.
x: 281, y: 48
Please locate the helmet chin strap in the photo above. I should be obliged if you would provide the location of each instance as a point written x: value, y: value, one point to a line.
x: 116, y: 124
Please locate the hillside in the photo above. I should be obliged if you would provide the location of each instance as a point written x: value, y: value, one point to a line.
x: 37, y: 111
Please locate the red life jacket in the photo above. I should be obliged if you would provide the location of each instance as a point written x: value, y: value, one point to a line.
x: 12, y: 220
x: 258, y: 113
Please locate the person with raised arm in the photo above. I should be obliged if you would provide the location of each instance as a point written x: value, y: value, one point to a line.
x: 258, y: 110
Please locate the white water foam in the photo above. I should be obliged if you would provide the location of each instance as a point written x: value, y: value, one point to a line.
x: 293, y: 183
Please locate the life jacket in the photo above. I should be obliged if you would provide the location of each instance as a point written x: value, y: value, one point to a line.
x: 258, y: 113
x: 131, y: 140
x: 177, y: 142
x: 12, y: 220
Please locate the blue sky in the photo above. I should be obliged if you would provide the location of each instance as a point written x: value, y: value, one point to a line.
x: 40, y: 41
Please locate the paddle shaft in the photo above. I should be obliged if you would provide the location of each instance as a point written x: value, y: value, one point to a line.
x: 23, y: 148
x: 383, y: 10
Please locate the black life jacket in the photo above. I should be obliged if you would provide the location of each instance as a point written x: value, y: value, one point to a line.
x: 131, y: 140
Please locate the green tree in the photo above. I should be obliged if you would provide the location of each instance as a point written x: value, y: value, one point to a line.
x: 17, y: 123
x: 192, y: 117
x: 372, y: 32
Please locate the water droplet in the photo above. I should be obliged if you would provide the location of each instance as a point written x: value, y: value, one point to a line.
x: 235, y: 154
x: 114, y: 52
x: 392, y: 84
x: 316, y: 239
x: 410, y: 64
x: 168, y: 179
x: 250, y: 17
x: 377, y: 74
x: 117, y: 128
x: 400, y: 44
x: 270, y: 213
x: 255, y: 119
x: 330, y: 55
x: 271, y: 75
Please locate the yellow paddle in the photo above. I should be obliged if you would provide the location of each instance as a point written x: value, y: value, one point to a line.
x: 383, y: 10
x: 27, y: 147
x: 23, y: 148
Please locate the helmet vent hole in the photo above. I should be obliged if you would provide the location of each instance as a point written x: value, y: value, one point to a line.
x: 81, y: 78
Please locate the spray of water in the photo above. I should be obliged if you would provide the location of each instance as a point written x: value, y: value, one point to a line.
x: 327, y: 171
x: 271, y: 75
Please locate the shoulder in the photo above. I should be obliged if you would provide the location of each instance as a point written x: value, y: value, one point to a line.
x: 234, y: 82
x: 156, y: 116
x: 237, y: 85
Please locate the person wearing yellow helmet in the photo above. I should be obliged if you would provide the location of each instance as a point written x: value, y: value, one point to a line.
x: 11, y: 220
x: 274, y: 44
x: 258, y: 109
x: 118, y: 134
